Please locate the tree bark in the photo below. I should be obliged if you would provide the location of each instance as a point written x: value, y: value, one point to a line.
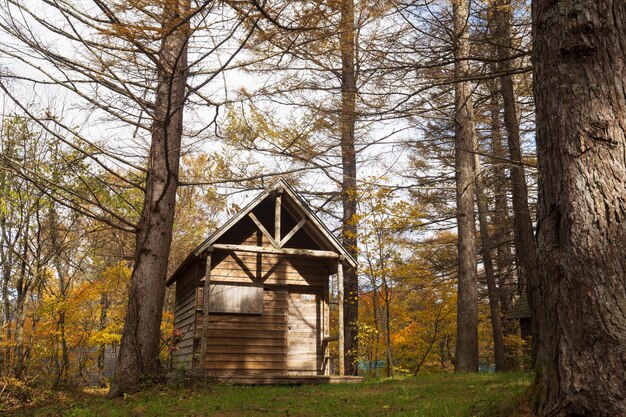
x: 22, y: 288
x: 373, y: 365
x: 138, y: 357
x: 389, y: 366
x: 7, y: 263
x: 349, y: 190
x: 580, y: 89
x: 466, y: 354
x: 58, y: 248
x: 19, y: 315
x: 502, y: 223
x: 104, y: 307
x: 525, y: 247
x: 486, y: 246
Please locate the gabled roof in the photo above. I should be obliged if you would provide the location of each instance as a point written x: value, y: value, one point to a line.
x: 314, y: 225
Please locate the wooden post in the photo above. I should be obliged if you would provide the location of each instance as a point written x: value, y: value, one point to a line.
x: 342, y: 367
x: 277, y: 209
x: 205, y: 313
x: 326, y: 324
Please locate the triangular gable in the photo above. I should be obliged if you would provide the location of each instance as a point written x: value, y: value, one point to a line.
x: 314, y: 224
x: 295, y: 206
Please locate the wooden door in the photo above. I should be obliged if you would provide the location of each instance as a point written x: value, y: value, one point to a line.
x: 304, y: 335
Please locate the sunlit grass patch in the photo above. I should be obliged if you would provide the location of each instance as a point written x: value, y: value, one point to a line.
x: 433, y: 395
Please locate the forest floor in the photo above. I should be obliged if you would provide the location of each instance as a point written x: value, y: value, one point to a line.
x: 480, y: 395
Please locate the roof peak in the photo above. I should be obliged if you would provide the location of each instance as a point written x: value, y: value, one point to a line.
x: 316, y: 225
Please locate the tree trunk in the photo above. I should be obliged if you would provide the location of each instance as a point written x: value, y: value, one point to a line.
x: 349, y: 190
x: 7, y: 262
x: 486, y: 246
x: 525, y: 248
x: 500, y: 219
x: 62, y: 363
x: 20, y: 311
x: 502, y: 230
x: 580, y: 89
x: 375, y: 319
x: 62, y: 270
x: 104, y: 306
x: 466, y: 354
x: 6, y: 359
x: 139, y: 348
x: 19, y: 315
x: 388, y: 345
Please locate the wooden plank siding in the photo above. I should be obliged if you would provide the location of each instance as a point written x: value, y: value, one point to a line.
x: 268, y: 269
x: 184, y: 318
x: 285, y: 340
x: 250, y: 344
x: 262, y: 344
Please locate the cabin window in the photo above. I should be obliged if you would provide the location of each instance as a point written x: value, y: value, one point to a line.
x: 240, y: 299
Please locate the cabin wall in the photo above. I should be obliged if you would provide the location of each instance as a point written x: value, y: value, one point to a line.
x: 268, y: 270
x: 286, y: 338
x: 248, y: 344
x: 184, y: 317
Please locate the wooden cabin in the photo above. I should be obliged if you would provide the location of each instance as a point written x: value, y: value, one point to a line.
x: 521, y: 312
x: 265, y: 316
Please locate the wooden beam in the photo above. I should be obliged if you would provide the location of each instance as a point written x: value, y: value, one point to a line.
x: 279, y: 199
x: 263, y: 229
x: 326, y: 325
x: 292, y: 232
x: 342, y: 367
x: 313, y: 253
x: 205, y: 312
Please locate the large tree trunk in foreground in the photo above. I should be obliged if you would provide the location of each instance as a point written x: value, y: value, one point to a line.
x: 349, y: 192
x: 580, y: 89
x: 138, y: 358
x: 466, y: 355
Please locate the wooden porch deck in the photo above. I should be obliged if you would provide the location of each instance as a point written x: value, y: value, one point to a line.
x: 288, y: 380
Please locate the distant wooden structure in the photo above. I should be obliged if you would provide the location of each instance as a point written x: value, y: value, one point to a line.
x: 266, y: 275
x: 521, y: 312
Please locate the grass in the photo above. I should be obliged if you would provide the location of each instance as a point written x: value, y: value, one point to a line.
x: 484, y: 395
